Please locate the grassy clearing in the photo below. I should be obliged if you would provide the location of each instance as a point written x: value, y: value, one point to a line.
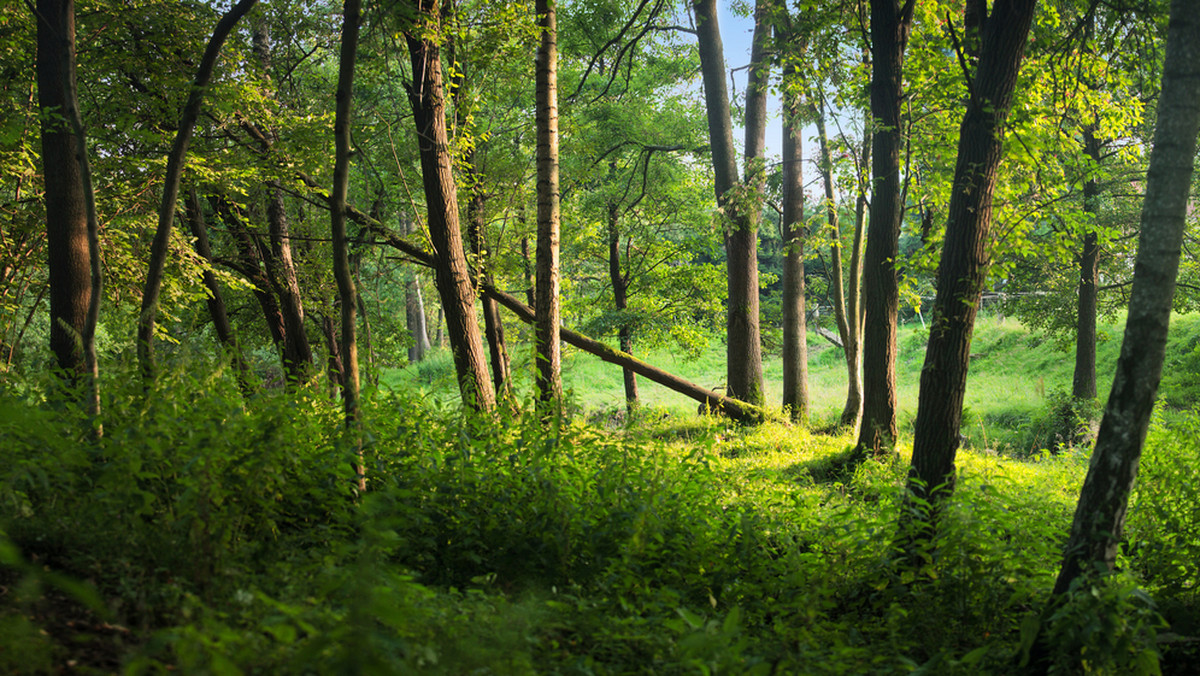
x: 207, y: 534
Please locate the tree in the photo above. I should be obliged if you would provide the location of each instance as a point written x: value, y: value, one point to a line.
x: 795, y: 330
x: 740, y: 208
x: 1100, y: 513
x: 72, y: 237
x: 548, y: 351
x: 966, y: 252
x: 890, y: 26
x: 427, y: 98
x: 170, y: 192
x: 347, y: 295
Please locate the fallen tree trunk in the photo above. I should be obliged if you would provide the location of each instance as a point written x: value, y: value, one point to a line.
x: 718, y: 402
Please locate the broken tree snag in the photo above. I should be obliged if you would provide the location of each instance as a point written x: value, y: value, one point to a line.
x: 738, y: 410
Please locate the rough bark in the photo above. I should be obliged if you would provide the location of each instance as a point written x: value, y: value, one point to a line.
x: 548, y: 353
x: 71, y: 229
x: 170, y: 195
x: 1083, y: 382
x: 620, y: 287
x: 890, y: 25
x: 963, y: 268
x: 795, y: 330
x: 1100, y: 514
x: 216, y: 299
x: 427, y: 99
x: 744, y: 351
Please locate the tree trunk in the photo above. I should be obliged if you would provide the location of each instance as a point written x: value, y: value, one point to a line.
x: 1100, y: 515
x: 744, y: 350
x: 852, y: 413
x: 441, y: 196
x: 890, y: 24
x: 965, y: 253
x: 72, y: 241
x: 347, y: 294
x: 620, y: 287
x: 493, y: 326
x: 250, y: 266
x: 170, y: 194
x: 795, y: 331
x: 1083, y: 384
x: 548, y: 352
x: 215, y: 300
x: 281, y: 271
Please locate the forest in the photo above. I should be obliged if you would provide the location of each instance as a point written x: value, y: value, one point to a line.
x: 599, y: 337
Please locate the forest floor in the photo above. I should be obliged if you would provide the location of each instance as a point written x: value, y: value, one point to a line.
x: 211, y: 534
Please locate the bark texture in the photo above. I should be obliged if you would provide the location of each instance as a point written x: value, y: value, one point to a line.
x: 548, y: 352
x: 427, y: 98
x: 67, y: 236
x: 1100, y: 514
x: 890, y: 25
x: 963, y: 268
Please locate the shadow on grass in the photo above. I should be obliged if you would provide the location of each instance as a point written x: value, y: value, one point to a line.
x: 835, y: 468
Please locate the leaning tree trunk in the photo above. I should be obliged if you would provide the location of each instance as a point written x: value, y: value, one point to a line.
x: 427, y: 98
x: 890, y: 25
x: 548, y: 352
x: 1083, y: 383
x: 1100, y: 514
x: 795, y: 330
x: 170, y: 195
x: 966, y: 252
x: 72, y: 239
x: 281, y: 270
x: 347, y: 294
x: 620, y: 287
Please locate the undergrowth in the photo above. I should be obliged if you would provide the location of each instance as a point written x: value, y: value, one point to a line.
x: 205, y: 533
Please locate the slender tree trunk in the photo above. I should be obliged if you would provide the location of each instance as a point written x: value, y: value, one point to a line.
x: 441, y: 196
x: 216, y: 299
x: 527, y: 270
x: 1083, y: 384
x: 347, y: 294
x: 845, y: 305
x: 281, y: 270
x: 334, y: 369
x: 965, y: 253
x: 620, y: 287
x: 72, y: 240
x: 852, y: 413
x: 493, y: 326
x: 1100, y: 515
x: 795, y: 330
x: 548, y: 351
x: 170, y: 194
x: 744, y: 350
x: 249, y: 265
x: 890, y: 25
